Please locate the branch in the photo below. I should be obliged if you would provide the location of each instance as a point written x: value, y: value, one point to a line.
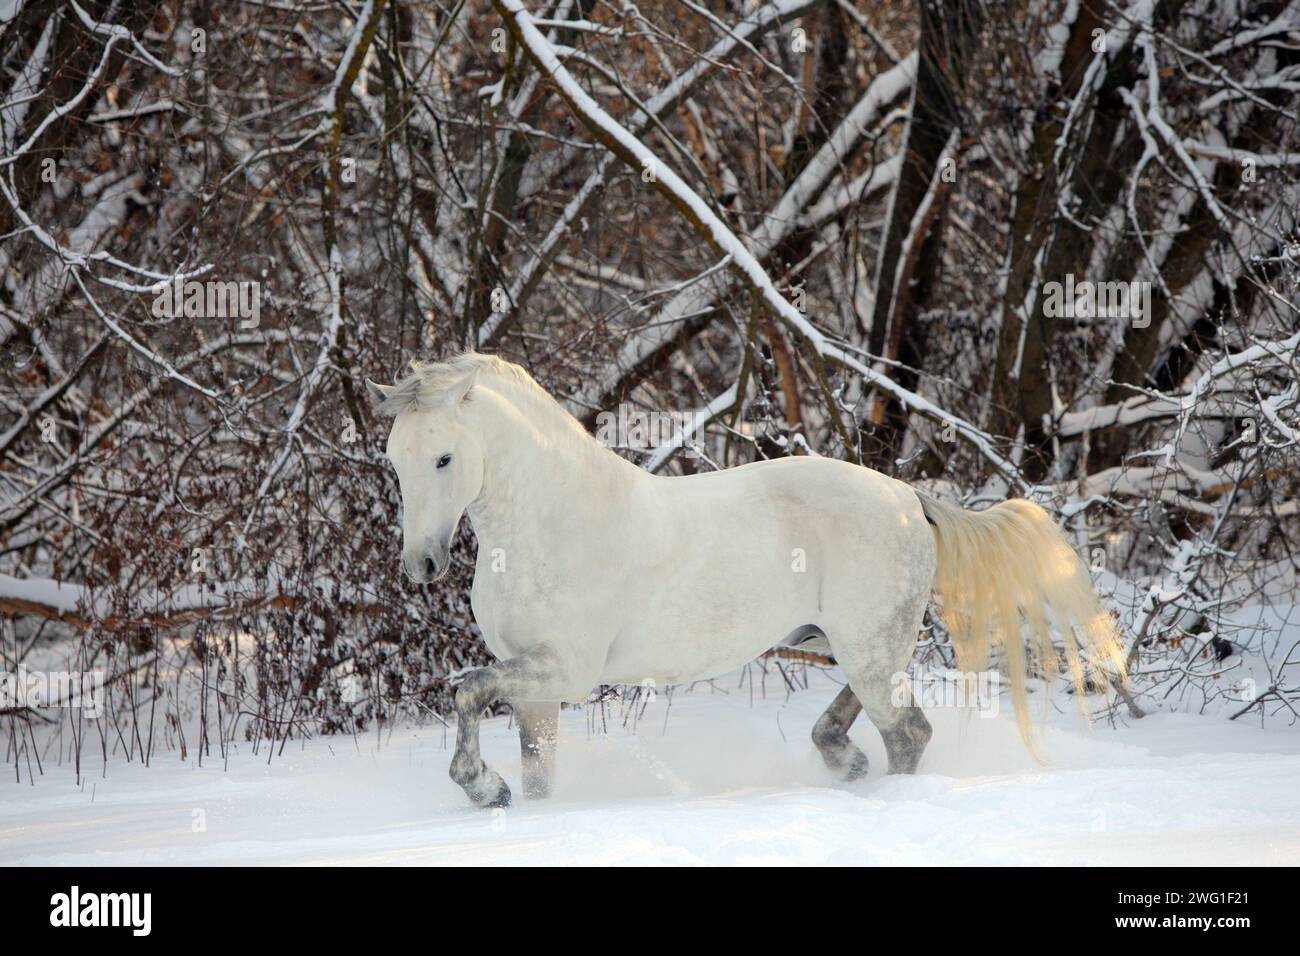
x: 722, y: 240
x: 363, y: 34
x: 754, y: 25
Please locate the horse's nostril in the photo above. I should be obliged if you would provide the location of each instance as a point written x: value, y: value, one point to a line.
x: 429, y: 567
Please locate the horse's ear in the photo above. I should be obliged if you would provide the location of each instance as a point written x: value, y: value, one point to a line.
x: 461, y: 389
x: 378, y: 393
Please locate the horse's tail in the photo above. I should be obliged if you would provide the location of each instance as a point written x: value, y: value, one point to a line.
x: 1011, y: 563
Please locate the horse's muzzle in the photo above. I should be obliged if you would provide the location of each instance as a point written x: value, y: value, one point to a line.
x: 428, y: 569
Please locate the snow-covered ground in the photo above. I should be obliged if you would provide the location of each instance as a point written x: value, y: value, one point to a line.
x: 726, y: 779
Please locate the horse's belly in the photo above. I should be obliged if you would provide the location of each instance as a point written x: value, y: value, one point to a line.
x: 658, y: 670
x: 695, y: 635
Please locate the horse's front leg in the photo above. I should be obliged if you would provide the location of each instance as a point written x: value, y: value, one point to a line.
x: 537, y: 675
x: 538, y: 728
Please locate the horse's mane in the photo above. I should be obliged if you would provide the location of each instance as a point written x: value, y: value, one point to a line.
x: 424, y: 385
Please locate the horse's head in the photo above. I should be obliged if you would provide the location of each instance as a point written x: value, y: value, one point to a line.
x: 439, y: 464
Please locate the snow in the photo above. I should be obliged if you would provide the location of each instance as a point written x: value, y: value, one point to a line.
x: 725, y: 779
x: 1058, y: 37
x: 60, y: 596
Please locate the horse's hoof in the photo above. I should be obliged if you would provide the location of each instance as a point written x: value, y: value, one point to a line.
x: 857, y: 768
x: 489, y: 791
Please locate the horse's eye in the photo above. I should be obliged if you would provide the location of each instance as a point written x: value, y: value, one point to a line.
x: 444, y: 461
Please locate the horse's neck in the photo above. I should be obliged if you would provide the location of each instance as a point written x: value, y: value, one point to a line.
x: 539, y: 475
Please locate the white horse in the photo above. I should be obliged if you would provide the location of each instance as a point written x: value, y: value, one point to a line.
x: 592, y: 571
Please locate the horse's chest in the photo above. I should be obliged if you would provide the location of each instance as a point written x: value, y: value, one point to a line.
x: 511, y: 597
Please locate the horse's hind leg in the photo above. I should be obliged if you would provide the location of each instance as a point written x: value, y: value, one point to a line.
x: 874, y: 657
x: 903, y: 726
x: 538, y: 728
x: 831, y: 735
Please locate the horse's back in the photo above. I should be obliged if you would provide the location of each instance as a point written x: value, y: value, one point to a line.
x: 804, y: 488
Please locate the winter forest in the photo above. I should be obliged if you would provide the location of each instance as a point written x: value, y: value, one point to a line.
x: 1034, y: 248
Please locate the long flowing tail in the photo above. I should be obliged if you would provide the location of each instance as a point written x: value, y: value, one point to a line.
x: 1009, y: 568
